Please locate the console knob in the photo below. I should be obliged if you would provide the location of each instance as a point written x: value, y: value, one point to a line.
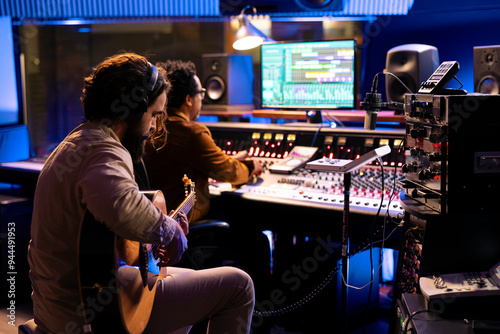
x: 426, y: 174
x: 418, y: 133
x: 434, y: 156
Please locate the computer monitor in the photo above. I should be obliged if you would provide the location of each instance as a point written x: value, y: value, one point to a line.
x: 309, y: 75
x: 9, y: 107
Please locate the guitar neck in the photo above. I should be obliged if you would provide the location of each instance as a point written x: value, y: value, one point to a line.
x: 185, y: 206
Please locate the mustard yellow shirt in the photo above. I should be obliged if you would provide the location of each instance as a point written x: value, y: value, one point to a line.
x: 191, y: 150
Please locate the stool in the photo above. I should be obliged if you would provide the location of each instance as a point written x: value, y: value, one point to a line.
x: 29, y: 327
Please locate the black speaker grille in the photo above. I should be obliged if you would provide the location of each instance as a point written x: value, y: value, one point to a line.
x: 215, y: 88
x: 487, y: 69
x: 397, y: 90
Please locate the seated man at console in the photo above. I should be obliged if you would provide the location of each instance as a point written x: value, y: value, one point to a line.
x: 190, y: 148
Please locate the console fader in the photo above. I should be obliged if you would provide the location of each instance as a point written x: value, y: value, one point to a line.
x: 271, y: 143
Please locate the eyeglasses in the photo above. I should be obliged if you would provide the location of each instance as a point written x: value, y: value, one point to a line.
x: 202, y: 92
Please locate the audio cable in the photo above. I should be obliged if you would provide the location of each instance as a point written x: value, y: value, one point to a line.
x: 301, y: 302
x: 391, y: 197
x: 410, y: 317
x: 329, y: 277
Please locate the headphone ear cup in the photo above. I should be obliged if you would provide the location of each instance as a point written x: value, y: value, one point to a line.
x: 136, y: 113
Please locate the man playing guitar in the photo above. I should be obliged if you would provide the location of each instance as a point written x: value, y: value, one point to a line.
x: 90, y: 174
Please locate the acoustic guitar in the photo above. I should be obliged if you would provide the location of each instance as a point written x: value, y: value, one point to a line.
x: 117, y: 276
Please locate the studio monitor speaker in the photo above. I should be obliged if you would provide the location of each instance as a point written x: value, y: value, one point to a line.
x: 412, y: 64
x: 228, y: 80
x: 487, y: 69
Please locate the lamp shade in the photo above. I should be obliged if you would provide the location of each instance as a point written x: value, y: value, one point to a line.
x: 247, y: 36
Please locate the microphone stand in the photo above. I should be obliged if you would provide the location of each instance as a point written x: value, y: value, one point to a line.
x: 346, y: 167
x: 345, y: 252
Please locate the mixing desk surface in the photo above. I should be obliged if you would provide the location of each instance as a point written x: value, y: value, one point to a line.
x: 271, y: 144
x: 323, y: 190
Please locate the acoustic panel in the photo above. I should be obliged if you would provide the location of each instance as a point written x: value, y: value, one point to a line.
x: 103, y: 9
x: 319, y: 8
x: 99, y: 9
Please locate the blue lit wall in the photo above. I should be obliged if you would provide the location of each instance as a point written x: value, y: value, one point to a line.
x: 453, y: 26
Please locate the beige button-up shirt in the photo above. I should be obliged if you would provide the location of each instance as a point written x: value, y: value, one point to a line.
x: 89, y: 170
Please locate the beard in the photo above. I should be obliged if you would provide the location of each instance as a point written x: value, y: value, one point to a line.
x: 134, y: 141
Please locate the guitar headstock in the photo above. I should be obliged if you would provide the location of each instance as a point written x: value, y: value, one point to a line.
x: 188, y: 185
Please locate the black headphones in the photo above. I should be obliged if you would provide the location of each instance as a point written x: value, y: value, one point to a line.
x: 153, y: 77
x: 142, y: 105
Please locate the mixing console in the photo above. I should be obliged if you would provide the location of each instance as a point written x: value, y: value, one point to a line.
x: 271, y: 143
x: 324, y: 190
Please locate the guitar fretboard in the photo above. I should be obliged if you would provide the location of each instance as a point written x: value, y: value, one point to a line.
x: 185, y: 207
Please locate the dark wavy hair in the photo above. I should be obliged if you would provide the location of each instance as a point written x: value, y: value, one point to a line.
x: 181, y: 76
x: 117, y: 88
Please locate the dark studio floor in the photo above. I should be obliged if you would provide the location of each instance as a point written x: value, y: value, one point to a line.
x: 375, y: 322
x: 316, y: 316
x: 311, y: 319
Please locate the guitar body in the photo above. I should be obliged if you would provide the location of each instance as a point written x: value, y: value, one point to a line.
x: 138, y: 286
x: 117, y: 276
x: 135, y: 298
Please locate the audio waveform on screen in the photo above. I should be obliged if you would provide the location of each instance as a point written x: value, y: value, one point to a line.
x: 304, y: 94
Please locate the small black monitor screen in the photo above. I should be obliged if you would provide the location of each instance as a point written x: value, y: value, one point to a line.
x: 302, y: 75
